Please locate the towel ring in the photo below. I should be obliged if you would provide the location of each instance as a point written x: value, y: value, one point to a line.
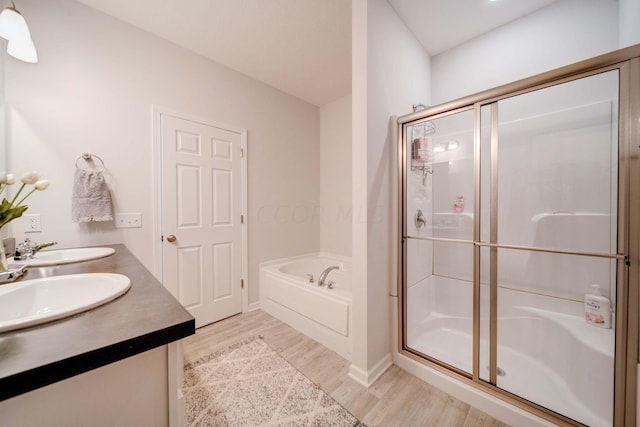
x: 89, y: 158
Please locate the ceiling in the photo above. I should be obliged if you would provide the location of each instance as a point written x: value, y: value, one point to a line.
x: 303, y: 47
x: 440, y: 25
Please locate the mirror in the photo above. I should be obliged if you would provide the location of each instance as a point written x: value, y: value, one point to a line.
x: 3, y: 146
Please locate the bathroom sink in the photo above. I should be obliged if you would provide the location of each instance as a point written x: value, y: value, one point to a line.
x: 36, y: 301
x: 66, y: 256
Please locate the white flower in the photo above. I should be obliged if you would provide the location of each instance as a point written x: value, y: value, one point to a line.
x: 10, y: 210
x: 30, y: 178
x: 42, y: 184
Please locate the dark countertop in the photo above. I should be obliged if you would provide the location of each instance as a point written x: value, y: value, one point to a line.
x: 145, y: 317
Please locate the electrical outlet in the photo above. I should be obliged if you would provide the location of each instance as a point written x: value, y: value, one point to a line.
x: 32, y: 223
x: 128, y: 220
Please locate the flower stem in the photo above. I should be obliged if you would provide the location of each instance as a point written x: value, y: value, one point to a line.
x: 25, y: 197
x: 17, y: 194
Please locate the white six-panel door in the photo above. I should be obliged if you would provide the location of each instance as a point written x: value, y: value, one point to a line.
x: 201, y: 209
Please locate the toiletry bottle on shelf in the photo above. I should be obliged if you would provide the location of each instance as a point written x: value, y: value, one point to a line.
x: 420, y: 152
x: 597, y: 308
x: 458, y: 204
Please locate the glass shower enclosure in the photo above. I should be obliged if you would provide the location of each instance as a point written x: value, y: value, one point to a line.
x: 515, y: 210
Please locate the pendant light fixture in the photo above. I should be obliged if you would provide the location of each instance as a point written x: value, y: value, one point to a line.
x: 14, y: 28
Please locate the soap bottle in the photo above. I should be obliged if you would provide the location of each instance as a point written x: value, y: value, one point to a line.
x: 458, y: 204
x: 597, y: 308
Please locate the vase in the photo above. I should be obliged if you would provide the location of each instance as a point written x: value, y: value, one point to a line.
x: 3, y: 259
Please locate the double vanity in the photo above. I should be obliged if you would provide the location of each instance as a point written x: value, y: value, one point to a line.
x: 115, y: 359
x: 36, y: 301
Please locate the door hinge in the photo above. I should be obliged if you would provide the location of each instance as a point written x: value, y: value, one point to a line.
x: 242, y: 152
x: 241, y: 219
x: 242, y: 283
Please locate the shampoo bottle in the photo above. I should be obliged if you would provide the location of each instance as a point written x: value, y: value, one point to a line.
x: 597, y: 308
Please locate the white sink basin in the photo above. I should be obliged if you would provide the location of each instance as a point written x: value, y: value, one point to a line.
x: 66, y: 256
x: 42, y: 300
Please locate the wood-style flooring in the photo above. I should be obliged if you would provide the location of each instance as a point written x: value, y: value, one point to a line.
x: 396, y: 399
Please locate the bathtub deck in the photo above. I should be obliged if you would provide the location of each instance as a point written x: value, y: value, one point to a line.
x: 396, y: 399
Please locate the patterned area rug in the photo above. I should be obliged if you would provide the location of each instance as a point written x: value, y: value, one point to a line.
x: 249, y: 384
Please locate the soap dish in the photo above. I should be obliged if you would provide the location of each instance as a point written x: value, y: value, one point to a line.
x: 15, y: 271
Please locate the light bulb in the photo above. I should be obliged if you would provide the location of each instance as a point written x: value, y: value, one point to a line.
x: 23, y: 50
x: 13, y: 26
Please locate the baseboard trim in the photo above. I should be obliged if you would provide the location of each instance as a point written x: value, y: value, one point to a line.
x: 253, y: 306
x: 367, y: 378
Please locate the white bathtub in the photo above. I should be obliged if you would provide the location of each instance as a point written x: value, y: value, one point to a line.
x: 321, y: 313
x: 548, y: 353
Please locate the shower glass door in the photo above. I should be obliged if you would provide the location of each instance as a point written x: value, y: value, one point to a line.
x: 549, y: 232
x: 516, y: 212
x: 438, y: 238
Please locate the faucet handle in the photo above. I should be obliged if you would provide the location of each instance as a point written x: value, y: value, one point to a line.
x: 331, y: 284
x: 24, y: 250
x: 26, y: 245
x: 310, y: 277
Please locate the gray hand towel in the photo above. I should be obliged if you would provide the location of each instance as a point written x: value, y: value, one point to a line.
x: 91, y: 200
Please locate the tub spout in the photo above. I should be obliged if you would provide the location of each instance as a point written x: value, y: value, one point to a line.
x: 324, y: 274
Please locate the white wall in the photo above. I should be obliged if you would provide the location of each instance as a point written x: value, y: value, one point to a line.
x: 397, y: 71
x: 565, y: 32
x: 628, y: 18
x: 93, y: 91
x: 335, y: 177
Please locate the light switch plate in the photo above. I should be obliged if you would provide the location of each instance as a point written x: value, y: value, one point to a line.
x: 128, y: 220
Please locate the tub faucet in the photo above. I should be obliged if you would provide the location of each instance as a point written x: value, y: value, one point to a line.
x: 323, y: 275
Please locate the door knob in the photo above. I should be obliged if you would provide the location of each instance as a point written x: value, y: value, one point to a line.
x: 171, y: 238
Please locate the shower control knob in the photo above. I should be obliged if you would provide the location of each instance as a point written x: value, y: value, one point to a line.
x: 420, y: 220
x: 171, y: 238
